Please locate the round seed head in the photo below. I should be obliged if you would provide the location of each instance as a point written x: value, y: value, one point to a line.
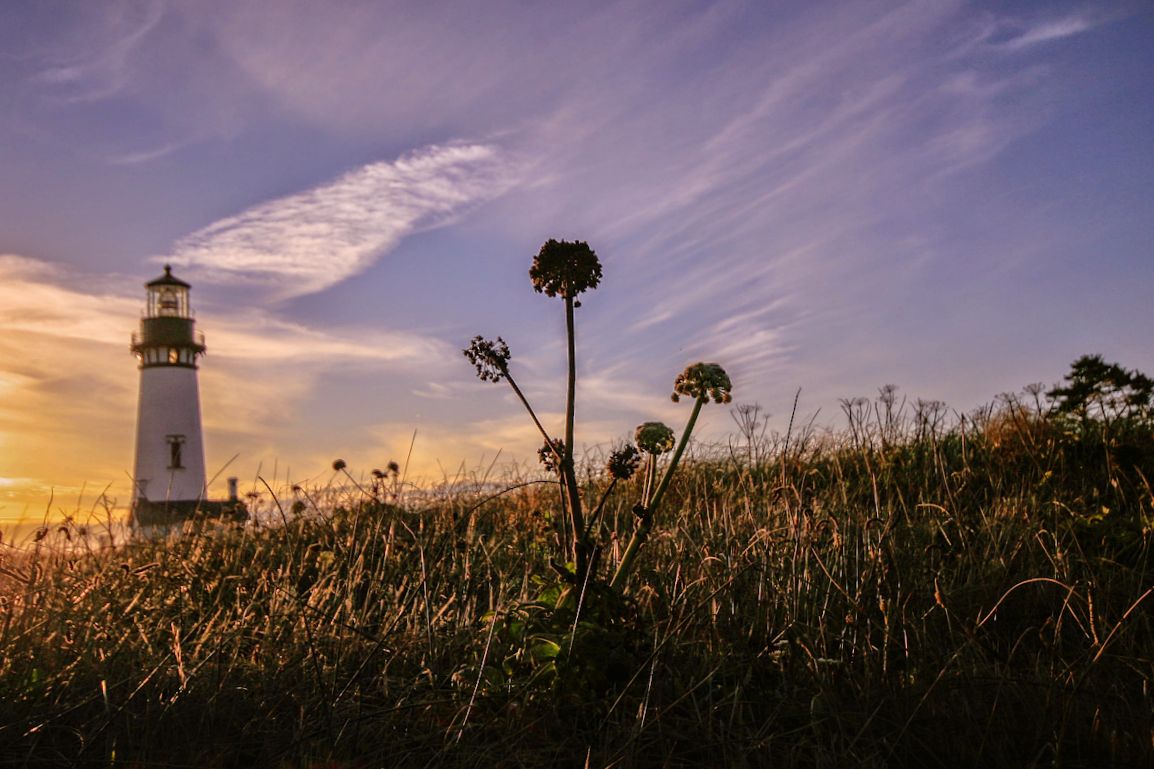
x: 654, y: 438
x: 490, y: 358
x: 563, y: 268
x: 550, y: 454
x: 623, y: 463
x: 703, y: 380
x: 339, y: 464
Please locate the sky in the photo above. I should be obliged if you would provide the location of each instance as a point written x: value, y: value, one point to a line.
x: 953, y: 197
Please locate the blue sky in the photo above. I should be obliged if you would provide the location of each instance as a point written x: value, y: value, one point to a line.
x: 952, y: 197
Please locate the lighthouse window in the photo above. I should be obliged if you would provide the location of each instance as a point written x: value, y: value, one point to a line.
x: 173, y: 355
x: 175, y: 449
x: 169, y: 305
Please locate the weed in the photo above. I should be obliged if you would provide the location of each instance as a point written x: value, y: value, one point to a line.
x: 567, y: 269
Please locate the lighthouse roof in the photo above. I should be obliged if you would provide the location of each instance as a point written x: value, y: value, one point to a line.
x: 167, y: 279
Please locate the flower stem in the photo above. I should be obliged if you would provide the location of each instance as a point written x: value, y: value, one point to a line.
x: 641, y: 533
x: 596, y: 514
x: 657, y: 495
x: 568, y: 473
x: 650, y: 479
x: 525, y: 403
x: 570, y: 395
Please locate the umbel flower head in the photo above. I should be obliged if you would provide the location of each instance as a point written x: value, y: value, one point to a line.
x: 549, y: 454
x: 654, y: 438
x: 491, y: 359
x: 703, y: 380
x: 565, y: 268
x: 392, y: 468
x: 623, y: 463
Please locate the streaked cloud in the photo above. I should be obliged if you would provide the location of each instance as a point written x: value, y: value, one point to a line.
x: 817, y: 179
x: 1022, y: 36
x: 309, y: 241
x: 1013, y: 32
x: 37, y: 297
x: 103, y: 38
x: 1051, y: 30
x: 40, y: 298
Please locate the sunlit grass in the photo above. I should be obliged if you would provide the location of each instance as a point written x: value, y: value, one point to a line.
x: 902, y: 592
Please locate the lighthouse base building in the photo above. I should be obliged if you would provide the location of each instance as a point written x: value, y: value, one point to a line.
x: 168, y: 476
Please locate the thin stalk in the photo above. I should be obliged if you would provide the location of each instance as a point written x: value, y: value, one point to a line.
x: 641, y: 533
x: 596, y: 514
x: 568, y: 473
x: 657, y: 495
x: 650, y: 479
x: 525, y: 403
x: 570, y: 393
x: 568, y: 480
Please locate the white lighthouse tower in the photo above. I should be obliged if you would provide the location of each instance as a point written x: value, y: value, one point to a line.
x: 169, y: 479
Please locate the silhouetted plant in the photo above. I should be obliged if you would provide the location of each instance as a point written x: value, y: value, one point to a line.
x: 621, y: 466
x: 550, y: 454
x: 655, y: 439
x: 623, y: 463
x: 702, y: 382
x: 490, y: 358
x: 1104, y: 391
x: 567, y: 269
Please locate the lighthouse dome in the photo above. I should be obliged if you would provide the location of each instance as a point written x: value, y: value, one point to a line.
x: 167, y: 279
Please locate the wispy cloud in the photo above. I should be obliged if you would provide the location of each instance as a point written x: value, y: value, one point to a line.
x: 38, y: 297
x: 1042, y: 31
x: 1014, y: 33
x: 306, y: 242
x: 98, y: 63
x: 258, y: 336
x: 62, y: 406
x: 792, y: 189
x: 137, y: 157
x: 1051, y: 30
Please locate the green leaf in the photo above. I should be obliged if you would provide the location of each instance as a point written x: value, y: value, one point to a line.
x: 544, y: 649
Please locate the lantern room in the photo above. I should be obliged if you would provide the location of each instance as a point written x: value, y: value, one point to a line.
x: 168, y: 334
x: 168, y: 297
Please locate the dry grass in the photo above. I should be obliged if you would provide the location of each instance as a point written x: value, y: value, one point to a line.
x: 898, y: 594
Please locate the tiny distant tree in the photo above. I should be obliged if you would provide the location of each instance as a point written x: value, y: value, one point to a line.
x: 1099, y: 391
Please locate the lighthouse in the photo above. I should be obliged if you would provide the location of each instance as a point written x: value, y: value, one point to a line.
x: 168, y: 479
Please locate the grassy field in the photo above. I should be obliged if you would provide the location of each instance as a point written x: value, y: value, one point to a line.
x: 912, y: 590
